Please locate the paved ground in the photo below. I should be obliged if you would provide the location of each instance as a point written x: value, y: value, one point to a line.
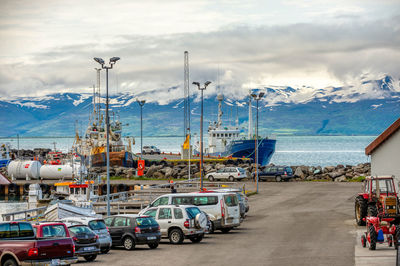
x: 288, y: 224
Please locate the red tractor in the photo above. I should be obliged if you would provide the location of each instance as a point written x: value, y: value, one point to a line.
x: 378, y: 208
x: 379, y: 197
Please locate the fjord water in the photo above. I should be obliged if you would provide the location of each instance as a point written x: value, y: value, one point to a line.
x: 290, y: 150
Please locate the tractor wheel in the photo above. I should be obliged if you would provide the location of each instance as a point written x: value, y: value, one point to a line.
x: 396, y: 236
x: 390, y: 240
x: 363, y: 241
x: 373, y: 237
x: 360, y: 210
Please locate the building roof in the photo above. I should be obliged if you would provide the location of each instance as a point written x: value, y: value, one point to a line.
x: 383, y: 137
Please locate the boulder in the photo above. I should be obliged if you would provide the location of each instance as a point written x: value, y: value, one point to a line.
x: 158, y: 175
x: 299, y: 173
x: 341, y: 178
x: 168, y: 172
x: 130, y: 172
x: 328, y: 169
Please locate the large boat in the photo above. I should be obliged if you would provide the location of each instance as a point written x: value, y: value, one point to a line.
x: 227, y: 140
x: 4, y: 155
x: 93, y: 145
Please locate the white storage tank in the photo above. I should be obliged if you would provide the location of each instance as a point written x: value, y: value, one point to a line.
x: 49, y: 171
x: 24, y: 169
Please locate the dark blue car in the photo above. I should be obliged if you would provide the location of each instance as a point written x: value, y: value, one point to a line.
x: 277, y: 173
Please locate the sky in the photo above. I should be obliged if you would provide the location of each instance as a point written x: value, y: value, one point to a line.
x: 47, y: 46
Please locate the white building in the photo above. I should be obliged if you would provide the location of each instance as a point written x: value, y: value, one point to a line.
x: 385, y: 152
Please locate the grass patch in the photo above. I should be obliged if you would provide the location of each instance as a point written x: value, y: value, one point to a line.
x: 358, y: 179
x: 318, y: 180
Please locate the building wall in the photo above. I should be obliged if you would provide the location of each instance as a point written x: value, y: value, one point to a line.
x: 385, y: 160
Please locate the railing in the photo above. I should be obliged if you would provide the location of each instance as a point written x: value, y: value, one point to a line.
x: 39, y: 212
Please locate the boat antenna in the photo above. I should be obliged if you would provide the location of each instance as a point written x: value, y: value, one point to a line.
x: 237, y: 115
x: 250, y: 117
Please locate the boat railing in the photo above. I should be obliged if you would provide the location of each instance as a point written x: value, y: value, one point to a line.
x: 27, y: 215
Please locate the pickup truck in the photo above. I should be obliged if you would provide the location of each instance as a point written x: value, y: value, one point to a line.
x: 20, y: 246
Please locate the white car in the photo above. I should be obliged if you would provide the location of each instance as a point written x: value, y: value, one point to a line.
x: 150, y: 150
x: 229, y: 173
x: 222, y: 208
x: 179, y: 222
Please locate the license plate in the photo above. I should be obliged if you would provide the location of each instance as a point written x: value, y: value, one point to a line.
x: 55, y: 262
x: 151, y: 237
x: 88, y: 248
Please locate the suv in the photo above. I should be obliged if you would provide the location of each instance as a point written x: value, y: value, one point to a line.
x: 150, y: 150
x: 277, y: 173
x: 230, y: 173
x: 178, y: 222
x: 129, y: 230
x: 98, y: 226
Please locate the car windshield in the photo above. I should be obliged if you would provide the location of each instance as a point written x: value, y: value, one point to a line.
x: 80, y: 230
x: 241, y: 170
x: 54, y: 231
x: 97, y: 225
x: 146, y: 221
x: 192, y: 212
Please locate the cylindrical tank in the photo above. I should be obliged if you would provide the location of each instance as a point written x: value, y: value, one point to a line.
x: 24, y: 169
x: 49, y: 171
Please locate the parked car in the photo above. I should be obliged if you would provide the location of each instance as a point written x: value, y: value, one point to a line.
x: 86, y: 241
x: 51, y: 229
x: 96, y: 225
x: 179, y: 222
x: 222, y: 208
x: 129, y: 230
x: 228, y: 173
x: 150, y: 150
x: 19, y: 245
x: 277, y: 173
x: 242, y: 198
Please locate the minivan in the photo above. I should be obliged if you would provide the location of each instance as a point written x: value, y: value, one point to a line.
x: 222, y: 208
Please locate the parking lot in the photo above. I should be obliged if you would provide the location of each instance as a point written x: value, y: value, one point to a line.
x: 289, y: 223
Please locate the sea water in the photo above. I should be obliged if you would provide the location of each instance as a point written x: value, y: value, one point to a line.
x: 290, y: 150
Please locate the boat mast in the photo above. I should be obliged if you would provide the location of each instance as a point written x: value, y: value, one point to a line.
x: 220, y: 98
x: 250, y: 133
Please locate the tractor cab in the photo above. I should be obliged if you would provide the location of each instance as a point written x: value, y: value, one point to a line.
x: 379, y: 198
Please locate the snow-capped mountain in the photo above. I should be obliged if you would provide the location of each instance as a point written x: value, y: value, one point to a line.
x: 365, y: 108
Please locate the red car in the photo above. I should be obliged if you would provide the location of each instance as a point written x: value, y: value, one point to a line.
x: 19, y: 245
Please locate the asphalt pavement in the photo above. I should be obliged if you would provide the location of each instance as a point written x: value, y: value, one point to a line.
x: 293, y: 223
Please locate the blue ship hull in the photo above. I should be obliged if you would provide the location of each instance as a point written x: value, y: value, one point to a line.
x: 4, y: 162
x: 246, y: 148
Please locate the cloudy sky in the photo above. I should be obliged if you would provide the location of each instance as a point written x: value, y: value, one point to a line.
x: 48, y: 46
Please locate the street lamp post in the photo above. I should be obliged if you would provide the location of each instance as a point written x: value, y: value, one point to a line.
x: 201, y: 130
x: 141, y: 103
x: 257, y: 98
x: 113, y: 60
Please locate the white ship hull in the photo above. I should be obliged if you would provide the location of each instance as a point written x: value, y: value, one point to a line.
x: 59, y: 211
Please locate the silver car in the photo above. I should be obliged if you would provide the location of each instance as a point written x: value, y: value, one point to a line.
x: 98, y: 226
x: 229, y: 173
x: 151, y: 150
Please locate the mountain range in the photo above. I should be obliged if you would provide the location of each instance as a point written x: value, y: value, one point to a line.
x: 366, y: 108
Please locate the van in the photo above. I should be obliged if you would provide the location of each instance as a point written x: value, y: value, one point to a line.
x: 222, y: 208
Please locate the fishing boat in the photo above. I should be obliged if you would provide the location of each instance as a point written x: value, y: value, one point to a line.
x: 227, y: 141
x: 93, y: 145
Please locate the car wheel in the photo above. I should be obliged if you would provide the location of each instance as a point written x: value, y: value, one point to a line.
x: 90, y: 257
x: 153, y: 245
x: 231, y: 179
x: 151, y: 152
x: 210, y: 178
x: 105, y: 250
x: 363, y: 241
x: 143, y: 152
x: 226, y: 230
x: 176, y: 236
x: 212, y: 228
x: 278, y: 178
x: 360, y: 210
x: 196, y: 239
x: 10, y: 262
x: 128, y: 242
x: 372, y: 210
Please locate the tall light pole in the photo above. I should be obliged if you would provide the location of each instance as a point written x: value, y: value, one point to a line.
x: 201, y: 130
x: 113, y: 60
x: 141, y: 103
x: 257, y: 98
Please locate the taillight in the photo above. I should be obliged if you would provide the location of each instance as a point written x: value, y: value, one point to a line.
x: 32, y: 252
x: 108, y: 230
x: 222, y: 209
x: 285, y: 173
x: 73, y: 249
x: 186, y: 224
x: 97, y: 237
x: 238, y: 174
x: 75, y: 239
x: 137, y: 230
